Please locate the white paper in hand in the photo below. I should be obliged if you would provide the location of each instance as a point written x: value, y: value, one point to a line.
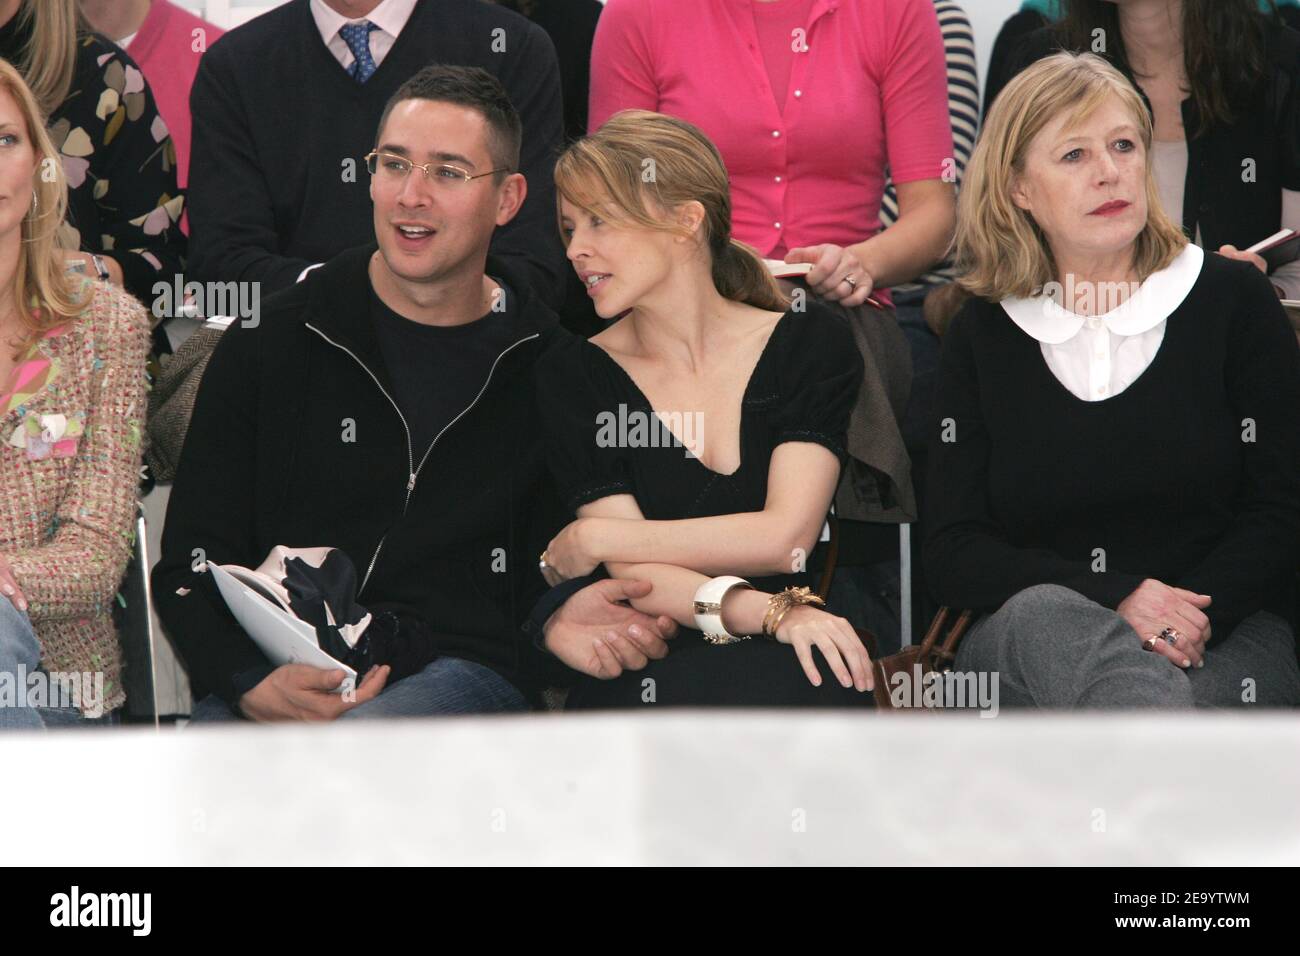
x: 281, y: 637
x: 787, y: 270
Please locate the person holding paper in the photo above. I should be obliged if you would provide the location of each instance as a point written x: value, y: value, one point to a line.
x: 384, y: 407
x: 1115, y: 473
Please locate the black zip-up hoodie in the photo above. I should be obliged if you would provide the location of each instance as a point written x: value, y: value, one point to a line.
x: 266, y: 463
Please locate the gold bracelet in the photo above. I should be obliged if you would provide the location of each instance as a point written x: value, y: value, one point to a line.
x: 779, y: 618
x: 778, y: 605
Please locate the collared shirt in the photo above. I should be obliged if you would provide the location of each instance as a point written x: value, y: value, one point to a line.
x: 1098, y: 356
x: 867, y: 89
x: 390, y: 16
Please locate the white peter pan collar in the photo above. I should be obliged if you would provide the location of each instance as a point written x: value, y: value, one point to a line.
x: 1042, y: 318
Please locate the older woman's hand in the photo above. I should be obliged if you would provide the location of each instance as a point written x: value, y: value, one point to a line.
x: 9, y: 585
x: 1154, y: 606
x: 832, y: 266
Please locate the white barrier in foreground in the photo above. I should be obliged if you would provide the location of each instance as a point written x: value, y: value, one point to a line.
x: 677, y: 788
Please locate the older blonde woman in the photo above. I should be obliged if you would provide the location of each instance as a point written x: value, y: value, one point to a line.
x: 72, y: 401
x: 1116, y: 475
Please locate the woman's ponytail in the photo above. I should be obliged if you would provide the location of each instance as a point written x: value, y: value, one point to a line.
x: 740, y: 275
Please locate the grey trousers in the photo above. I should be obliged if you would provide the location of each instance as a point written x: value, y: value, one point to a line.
x: 1050, y: 646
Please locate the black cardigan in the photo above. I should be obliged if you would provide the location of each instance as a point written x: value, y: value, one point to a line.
x: 265, y: 463
x: 1266, y: 129
x: 1036, y: 486
x: 277, y: 181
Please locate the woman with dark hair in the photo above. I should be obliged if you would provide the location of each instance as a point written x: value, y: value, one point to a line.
x: 1222, y: 84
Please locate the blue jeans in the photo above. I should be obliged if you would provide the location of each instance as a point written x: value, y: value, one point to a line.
x: 446, y: 687
x: 20, y: 658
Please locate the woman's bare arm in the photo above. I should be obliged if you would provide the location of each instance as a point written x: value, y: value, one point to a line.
x: 777, y: 540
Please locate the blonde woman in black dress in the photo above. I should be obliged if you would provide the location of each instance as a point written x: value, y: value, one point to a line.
x: 699, y: 437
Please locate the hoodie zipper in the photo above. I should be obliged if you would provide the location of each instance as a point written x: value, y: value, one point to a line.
x: 413, y: 470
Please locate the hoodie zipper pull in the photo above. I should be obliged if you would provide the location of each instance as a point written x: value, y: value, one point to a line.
x: 410, y: 484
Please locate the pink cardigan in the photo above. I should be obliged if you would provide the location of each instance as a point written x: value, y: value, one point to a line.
x: 71, y: 422
x: 869, y: 91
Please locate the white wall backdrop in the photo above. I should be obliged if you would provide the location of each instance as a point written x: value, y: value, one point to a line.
x: 986, y: 17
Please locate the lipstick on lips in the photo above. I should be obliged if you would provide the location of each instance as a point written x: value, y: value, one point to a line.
x: 1110, y: 208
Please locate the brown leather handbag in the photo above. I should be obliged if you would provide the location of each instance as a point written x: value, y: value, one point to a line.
x: 934, y: 653
x: 917, y: 660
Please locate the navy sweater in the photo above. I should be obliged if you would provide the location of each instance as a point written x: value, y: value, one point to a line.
x: 276, y: 119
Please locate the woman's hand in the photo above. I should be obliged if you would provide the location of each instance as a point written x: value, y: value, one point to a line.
x: 1232, y: 252
x: 832, y: 265
x: 569, y: 555
x: 1154, y: 606
x: 805, y: 627
x: 9, y: 585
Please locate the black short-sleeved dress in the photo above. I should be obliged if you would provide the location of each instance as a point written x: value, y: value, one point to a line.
x: 604, y: 439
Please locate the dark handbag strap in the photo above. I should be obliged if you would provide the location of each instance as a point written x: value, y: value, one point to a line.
x: 942, y: 657
x: 931, y: 654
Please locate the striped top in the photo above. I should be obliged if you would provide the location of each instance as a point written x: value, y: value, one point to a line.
x: 964, y: 110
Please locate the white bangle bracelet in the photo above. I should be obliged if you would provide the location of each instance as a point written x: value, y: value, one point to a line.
x: 708, y: 608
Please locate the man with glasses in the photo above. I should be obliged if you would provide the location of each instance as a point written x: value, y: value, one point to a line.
x: 284, y: 108
x: 384, y: 407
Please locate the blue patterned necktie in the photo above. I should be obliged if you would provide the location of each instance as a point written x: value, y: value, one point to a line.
x: 357, y: 37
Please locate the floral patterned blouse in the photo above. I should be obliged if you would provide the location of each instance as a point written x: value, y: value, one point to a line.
x: 123, y: 200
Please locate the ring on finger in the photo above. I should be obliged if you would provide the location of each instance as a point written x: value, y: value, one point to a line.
x: 853, y: 283
x: 1170, y: 635
x: 541, y: 563
x: 1150, y: 643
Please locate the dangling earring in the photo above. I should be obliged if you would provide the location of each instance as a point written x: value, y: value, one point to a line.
x: 36, y: 203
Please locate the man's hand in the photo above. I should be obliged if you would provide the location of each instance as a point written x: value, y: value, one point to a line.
x: 1154, y: 605
x: 595, y: 633
x: 303, y: 692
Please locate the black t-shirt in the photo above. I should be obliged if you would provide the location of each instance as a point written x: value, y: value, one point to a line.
x: 438, y: 371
